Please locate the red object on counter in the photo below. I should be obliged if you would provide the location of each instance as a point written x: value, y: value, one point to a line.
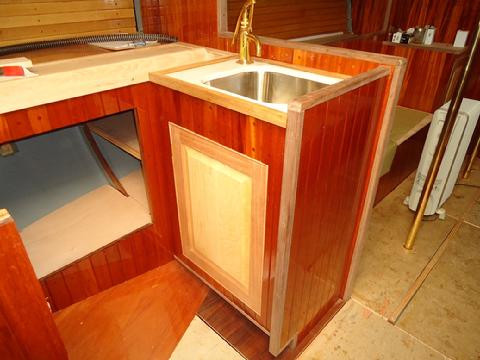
x: 11, y: 71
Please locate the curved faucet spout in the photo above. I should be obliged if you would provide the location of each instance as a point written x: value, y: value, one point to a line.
x: 258, y: 45
x: 243, y: 32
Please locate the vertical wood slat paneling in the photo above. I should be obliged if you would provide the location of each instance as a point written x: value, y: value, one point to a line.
x: 118, y: 262
x: 446, y: 16
x: 138, y: 252
x: 368, y: 16
x: 427, y: 79
x: 27, y: 21
x: 257, y: 139
x: 285, y: 19
x: 334, y: 138
x: 21, y: 299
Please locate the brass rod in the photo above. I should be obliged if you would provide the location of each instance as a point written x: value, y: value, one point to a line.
x: 466, y: 174
x: 442, y: 145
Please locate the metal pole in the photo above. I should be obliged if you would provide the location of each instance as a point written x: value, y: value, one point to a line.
x: 441, y: 146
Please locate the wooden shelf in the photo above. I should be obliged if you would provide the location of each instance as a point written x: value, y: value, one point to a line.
x: 434, y: 47
x: 120, y: 131
x: 86, y: 224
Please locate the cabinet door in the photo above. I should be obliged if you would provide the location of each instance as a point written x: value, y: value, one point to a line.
x: 221, y: 196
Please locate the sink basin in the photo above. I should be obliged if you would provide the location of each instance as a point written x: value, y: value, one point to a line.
x: 266, y: 86
x: 270, y: 85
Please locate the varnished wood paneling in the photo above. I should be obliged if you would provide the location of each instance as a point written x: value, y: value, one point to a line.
x: 120, y: 261
x: 285, y: 19
x: 191, y: 21
x: 27, y: 327
x: 150, y: 16
x: 446, y: 16
x: 368, y: 16
x: 339, y: 138
x: 143, y: 318
x: 257, y: 139
x: 34, y: 21
x: 428, y: 76
x: 138, y: 252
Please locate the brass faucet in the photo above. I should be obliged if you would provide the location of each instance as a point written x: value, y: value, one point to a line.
x: 243, y: 31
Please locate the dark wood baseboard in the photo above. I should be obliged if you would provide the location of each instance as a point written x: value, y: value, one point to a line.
x: 246, y: 338
x: 233, y: 327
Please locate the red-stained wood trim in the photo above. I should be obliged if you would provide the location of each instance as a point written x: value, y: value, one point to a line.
x: 328, y: 157
x: 21, y: 301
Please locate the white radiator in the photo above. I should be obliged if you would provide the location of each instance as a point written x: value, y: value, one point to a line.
x: 452, y: 161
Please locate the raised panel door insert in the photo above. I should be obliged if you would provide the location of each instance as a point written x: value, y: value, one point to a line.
x: 221, y: 197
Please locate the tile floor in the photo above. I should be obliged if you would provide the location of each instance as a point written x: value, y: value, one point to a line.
x: 440, y: 321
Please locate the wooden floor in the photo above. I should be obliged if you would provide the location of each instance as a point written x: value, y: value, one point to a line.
x: 143, y: 318
x: 231, y: 325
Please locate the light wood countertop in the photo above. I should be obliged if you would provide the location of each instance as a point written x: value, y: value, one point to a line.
x: 68, y: 78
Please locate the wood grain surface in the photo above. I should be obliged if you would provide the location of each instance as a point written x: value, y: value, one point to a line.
x: 430, y: 75
x: 28, y: 21
x: 27, y: 327
x: 141, y: 319
x: 285, y: 19
x: 338, y: 138
x: 244, y: 134
x: 120, y: 261
x: 142, y: 250
x: 221, y: 200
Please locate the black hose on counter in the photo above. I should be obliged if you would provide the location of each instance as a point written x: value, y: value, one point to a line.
x: 161, y: 38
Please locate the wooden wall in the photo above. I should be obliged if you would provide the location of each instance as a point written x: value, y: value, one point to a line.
x: 447, y: 16
x: 138, y: 252
x: 27, y: 329
x: 287, y: 19
x: 245, y: 134
x: 368, y: 16
x: 25, y: 21
x: 427, y: 84
x: 120, y: 261
x: 328, y: 208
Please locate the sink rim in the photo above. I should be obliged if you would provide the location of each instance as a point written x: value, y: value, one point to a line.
x: 260, y: 86
x: 201, y: 75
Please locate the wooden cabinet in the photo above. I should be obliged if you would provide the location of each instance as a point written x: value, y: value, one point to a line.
x: 221, y: 197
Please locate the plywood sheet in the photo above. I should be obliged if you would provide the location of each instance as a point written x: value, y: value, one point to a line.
x: 65, y: 79
x: 83, y: 226
x: 120, y: 131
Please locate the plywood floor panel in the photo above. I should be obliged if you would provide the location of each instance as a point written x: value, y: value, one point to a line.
x: 356, y: 333
x: 85, y: 225
x: 445, y: 312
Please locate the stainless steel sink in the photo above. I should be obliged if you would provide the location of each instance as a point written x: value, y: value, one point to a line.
x: 267, y: 87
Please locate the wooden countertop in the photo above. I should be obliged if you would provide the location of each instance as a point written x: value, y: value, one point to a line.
x: 83, y: 75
